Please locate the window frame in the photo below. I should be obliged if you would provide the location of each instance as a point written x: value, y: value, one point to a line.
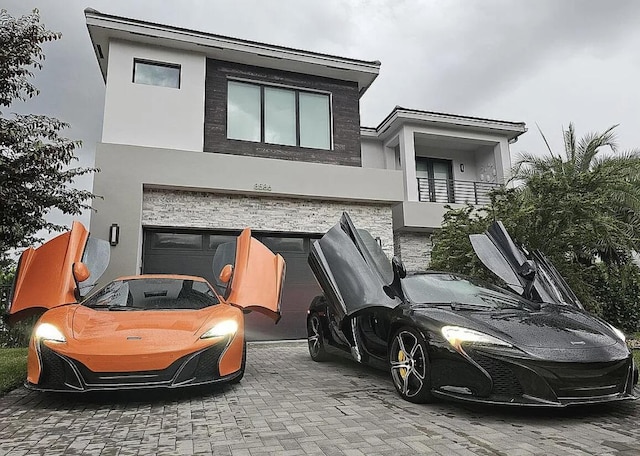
x: 297, y: 91
x: 174, y: 66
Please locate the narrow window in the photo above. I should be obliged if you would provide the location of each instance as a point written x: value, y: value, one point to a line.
x: 279, y: 116
x: 314, y: 121
x: 156, y: 73
x: 243, y: 111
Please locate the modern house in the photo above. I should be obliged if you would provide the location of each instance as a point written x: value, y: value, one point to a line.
x: 204, y: 135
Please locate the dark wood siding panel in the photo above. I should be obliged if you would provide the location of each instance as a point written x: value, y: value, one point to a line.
x: 345, y: 115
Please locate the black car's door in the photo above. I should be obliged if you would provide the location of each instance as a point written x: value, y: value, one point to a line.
x: 352, y: 270
x: 529, y: 274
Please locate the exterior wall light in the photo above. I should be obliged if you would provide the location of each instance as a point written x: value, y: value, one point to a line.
x: 462, y: 167
x: 114, y: 234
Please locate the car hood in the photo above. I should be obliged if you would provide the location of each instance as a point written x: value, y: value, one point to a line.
x: 551, y: 327
x: 156, y: 326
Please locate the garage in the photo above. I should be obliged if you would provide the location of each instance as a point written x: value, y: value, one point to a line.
x: 170, y: 251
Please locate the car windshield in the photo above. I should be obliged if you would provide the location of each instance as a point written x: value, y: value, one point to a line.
x: 153, y: 294
x: 454, y: 290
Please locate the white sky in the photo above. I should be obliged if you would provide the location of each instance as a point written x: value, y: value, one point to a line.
x: 543, y: 62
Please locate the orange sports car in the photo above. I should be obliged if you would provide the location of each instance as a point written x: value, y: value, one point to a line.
x: 142, y: 331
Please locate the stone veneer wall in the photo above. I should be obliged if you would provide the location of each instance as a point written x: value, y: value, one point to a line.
x: 204, y: 210
x: 414, y: 249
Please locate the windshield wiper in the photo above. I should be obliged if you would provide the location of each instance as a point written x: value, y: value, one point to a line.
x: 457, y: 305
x: 469, y: 306
x: 115, y: 308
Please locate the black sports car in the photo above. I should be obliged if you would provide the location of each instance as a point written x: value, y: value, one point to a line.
x: 450, y: 336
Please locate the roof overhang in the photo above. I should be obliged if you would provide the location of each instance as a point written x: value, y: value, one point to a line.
x: 401, y: 116
x: 105, y: 27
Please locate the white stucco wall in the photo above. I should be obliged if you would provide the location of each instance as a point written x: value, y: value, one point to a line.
x: 372, y: 152
x: 152, y: 116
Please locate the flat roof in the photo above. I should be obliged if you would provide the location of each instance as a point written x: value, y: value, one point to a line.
x: 104, y: 27
x: 401, y: 115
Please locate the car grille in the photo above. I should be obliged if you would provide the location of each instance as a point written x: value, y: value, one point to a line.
x: 504, y: 380
x: 63, y: 373
x: 584, y: 380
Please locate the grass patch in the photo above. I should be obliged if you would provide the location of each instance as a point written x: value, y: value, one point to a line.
x: 13, y: 368
x: 636, y: 357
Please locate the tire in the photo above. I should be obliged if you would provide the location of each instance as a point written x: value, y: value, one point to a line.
x: 242, y: 364
x: 409, y: 365
x: 315, y: 338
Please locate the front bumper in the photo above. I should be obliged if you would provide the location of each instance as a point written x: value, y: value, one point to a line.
x: 489, y: 378
x: 63, y: 373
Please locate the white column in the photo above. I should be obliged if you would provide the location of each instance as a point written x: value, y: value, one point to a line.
x: 502, y: 158
x: 408, y: 163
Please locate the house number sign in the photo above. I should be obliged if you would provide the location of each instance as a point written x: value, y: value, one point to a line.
x: 263, y: 187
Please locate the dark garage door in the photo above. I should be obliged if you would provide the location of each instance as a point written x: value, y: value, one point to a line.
x: 191, y: 253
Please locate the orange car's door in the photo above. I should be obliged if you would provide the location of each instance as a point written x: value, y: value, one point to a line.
x: 258, y: 276
x: 44, y: 278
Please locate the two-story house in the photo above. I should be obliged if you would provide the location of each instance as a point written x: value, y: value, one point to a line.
x: 204, y: 135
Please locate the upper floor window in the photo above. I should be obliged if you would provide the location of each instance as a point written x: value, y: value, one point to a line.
x: 278, y: 115
x: 156, y: 73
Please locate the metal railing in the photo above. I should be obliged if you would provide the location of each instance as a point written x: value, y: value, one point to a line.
x: 454, y: 191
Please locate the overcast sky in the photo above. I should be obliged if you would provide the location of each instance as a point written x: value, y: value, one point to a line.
x: 543, y: 62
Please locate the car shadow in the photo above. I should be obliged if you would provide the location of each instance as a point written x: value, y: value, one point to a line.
x: 98, y: 399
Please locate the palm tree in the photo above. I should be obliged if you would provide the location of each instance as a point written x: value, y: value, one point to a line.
x: 585, y: 204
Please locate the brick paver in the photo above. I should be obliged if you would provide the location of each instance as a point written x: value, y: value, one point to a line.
x: 288, y: 405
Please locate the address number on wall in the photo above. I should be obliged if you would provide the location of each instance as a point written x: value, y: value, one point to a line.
x: 263, y: 187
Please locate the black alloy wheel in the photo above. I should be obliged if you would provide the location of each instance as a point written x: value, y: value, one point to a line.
x: 315, y: 338
x: 410, y: 368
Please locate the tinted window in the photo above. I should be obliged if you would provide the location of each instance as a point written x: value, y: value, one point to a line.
x: 153, y: 294
x: 280, y: 244
x: 182, y: 241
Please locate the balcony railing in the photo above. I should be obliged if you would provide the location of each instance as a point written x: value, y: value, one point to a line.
x: 454, y: 191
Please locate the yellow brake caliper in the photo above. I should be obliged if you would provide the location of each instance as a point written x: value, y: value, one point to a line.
x: 401, y: 357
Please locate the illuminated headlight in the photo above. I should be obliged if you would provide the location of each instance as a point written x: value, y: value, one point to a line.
x: 47, y: 331
x: 458, y: 336
x: 224, y: 328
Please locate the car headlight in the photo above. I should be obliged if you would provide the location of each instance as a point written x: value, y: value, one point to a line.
x: 46, y: 331
x: 224, y: 328
x: 457, y: 336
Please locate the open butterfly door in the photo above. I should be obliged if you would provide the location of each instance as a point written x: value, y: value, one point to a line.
x: 256, y: 277
x: 58, y: 272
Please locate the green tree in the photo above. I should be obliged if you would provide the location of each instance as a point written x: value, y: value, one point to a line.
x: 584, y: 205
x: 35, y: 160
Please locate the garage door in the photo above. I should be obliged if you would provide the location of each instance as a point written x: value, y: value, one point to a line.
x: 190, y: 252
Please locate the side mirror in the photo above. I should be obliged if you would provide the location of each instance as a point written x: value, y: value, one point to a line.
x: 80, y: 272
x: 226, y: 273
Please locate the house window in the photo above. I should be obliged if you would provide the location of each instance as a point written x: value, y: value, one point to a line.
x: 156, y: 73
x: 278, y: 115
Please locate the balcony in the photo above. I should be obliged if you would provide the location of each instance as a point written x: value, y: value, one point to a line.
x: 454, y: 191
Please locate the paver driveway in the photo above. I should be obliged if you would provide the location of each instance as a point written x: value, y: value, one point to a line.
x: 287, y: 404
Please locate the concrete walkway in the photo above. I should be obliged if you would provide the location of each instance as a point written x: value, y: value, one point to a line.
x: 288, y: 405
